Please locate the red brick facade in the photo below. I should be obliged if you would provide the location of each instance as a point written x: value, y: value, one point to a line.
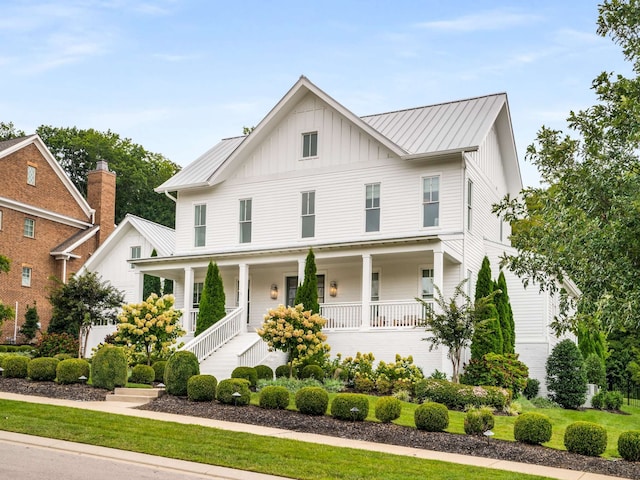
x: 57, y: 214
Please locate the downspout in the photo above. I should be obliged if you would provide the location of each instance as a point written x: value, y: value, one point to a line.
x: 175, y: 200
x: 464, y: 233
x: 64, y: 271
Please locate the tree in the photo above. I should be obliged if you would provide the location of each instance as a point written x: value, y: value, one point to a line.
x: 151, y: 327
x: 487, y: 336
x: 505, y: 313
x: 452, y: 324
x: 295, y: 331
x: 6, y: 312
x: 583, y: 224
x: 307, y: 293
x: 566, y: 378
x: 8, y: 131
x: 212, y: 300
x: 31, y: 323
x: 151, y: 283
x: 84, y: 298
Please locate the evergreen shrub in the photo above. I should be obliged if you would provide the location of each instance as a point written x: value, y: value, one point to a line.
x: 432, y: 417
x: 388, y: 409
x: 42, y: 369
x: 532, y: 388
x: 498, y: 371
x: 248, y: 373
x: 350, y: 406
x: 226, y: 389
x: 566, y: 378
x: 158, y: 368
x: 629, y: 445
x: 70, y: 370
x: 597, y: 401
x: 64, y: 356
x: 109, y: 367
x: 201, y: 388
x: 180, y: 366
x: 585, y: 438
x: 533, y: 428
x: 16, y: 366
x: 478, y: 420
x: 312, y: 371
x: 51, y: 344
x: 595, y: 370
x: 613, y: 400
x: 282, y: 371
x: 456, y: 396
x: 265, y: 372
x: 274, y: 397
x: 312, y: 400
x: 142, y: 374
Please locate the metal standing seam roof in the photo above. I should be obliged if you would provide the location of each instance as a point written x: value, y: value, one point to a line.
x: 162, y: 238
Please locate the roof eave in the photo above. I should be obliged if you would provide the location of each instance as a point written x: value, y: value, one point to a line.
x: 439, y: 153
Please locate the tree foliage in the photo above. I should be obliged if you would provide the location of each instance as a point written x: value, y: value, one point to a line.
x: 307, y: 293
x: 505, y: 313
x: 8, y: 131
x: 566, y: 377
x: 584, y: 223
x: 487, y: 335
x: 6, y: 312
x: 212, y: 301
x: 151, y: 283
x: 31, y: 323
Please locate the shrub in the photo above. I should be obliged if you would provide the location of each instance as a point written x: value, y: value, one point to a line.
x: 70, y: 370
x: 158, y: 368
x: 180, y: 366
x: 544, y: 402
x: 248, y: 373
x: 388, y: 409
x: 265, y: 372
x: 63, y: 356
x: 25, y: 348
x: 350, y: 406
x: 226, y: 389
x: 532, y: 388
x: 201, y: 388
x: 566, y: 379
x: 142, y: 374
x: 359, y: 366
x: 402, y: 373
x: 282, y: 371
x: 42, y: 369
x: 432, y: 417
x: 585, y: 438
x: 312, y: 371
x: 496, y: 370
x: 3, y: 348
x: 595, y: 370
x: 629, y: 445
x: 16, y: 366
x: 478, y: 420
x: 365, y: 385
x: 456, y: 396
x: 51, y: 344
x: 597, y: 401
x: 110, y: 368
x: 274, y: 397
x: 533, y: 428
x: 613, y: 400
x: 312, y: 400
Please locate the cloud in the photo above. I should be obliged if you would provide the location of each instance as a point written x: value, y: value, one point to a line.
x: 169, y: 57
x: 482, y: 21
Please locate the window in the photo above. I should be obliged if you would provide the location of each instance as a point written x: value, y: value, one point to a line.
x: 136, y: 252
x: 308, y: 214
x: 430, y: 201
x: 29, y: 227
x: 26, y: 276
x: 200, y: 225
x: 245, y: 221
x: 310, y: 144
x: 372, y: 207
x: 0, y: 219
x: 197, y: 293
x: 375, y: 286
x: 469, y: 203
x: 31, y: 175
x: 427, y: 283
x: 292, y: 289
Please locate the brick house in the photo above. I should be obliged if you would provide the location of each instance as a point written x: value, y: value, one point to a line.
x: 47, y: 228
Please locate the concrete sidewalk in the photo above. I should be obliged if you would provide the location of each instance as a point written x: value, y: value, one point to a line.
x: 126, y: 409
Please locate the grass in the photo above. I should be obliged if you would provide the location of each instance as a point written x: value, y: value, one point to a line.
x: 244, y: 451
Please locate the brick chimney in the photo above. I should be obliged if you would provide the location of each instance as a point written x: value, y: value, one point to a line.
x: 101, y: 196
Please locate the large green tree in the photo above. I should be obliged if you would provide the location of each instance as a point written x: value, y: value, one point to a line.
x: 307, y: 293
x: 6, y: 311
x: 211, y: 308
x: 584, y: 222
x: 505, y: 313
x: 8, y: 131
x: 487, y: 335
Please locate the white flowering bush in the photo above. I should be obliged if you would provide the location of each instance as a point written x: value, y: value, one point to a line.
x: 151, y: 327
x: 295, y: 331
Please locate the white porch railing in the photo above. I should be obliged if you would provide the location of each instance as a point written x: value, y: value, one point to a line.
x: 408, y: 313
x: 341, y: 315
x: 216, y: 335
x: 193, y: 318
x: 254, y: 354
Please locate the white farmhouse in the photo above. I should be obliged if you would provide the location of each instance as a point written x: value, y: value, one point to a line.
x: 392, y: 204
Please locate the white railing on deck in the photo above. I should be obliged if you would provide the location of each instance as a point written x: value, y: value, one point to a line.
x: 193, y: 318
x: 254, y: 354
x: 341, y: 315
x: 408, y: 313
x: 216, y: 335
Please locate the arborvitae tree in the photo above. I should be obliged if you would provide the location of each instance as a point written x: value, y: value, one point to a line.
x: 307, y: 293
x: 507, y: 325
x: 487, y: 336
x: 31, y: 320
x: 151, y: 283
x: 566, y: 377
x: 212, y: 300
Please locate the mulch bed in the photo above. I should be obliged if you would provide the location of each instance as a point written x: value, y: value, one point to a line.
x: 367, y: 431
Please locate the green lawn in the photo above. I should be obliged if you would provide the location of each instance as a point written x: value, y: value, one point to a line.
x: 231, y: 449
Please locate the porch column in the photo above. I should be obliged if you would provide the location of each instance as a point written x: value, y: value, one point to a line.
x: 366, y: 291
x: 301, y: 264
x: 140, y: 282
x: 187, y: 300
x: 243, y: 297
x: 438, y: 267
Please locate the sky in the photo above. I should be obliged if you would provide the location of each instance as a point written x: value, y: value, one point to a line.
x: 177, y: 76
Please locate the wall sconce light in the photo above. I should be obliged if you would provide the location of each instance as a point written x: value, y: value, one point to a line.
x: 333, y: 288
x: 274, y: 291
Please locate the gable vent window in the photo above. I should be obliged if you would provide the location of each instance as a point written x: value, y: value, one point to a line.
x: 136, y: 252
x: 310, y: 144
x: 31, y: 175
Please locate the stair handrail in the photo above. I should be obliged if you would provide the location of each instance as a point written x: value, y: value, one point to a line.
x: 216, y: 335
x: 253, y: 354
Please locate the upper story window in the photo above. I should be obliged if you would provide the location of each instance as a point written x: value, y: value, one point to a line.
x: 427, y: 283
x: 136, y: 252
x: 26, y: 276
x: 308, y: 214
x: 309, y: 144
x: 197, y: 293
x: 469, y: 204
x: 31, y: 175
x: 430, y: 201
x: 372, y: 207
x: 199, y: 225
x: 245, y: 220
x: 29, y: 227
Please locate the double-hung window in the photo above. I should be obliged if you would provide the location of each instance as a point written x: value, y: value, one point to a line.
x: 372, y: 208
x: 469, y: 204
x: 136, y: 252
x: 29, y: 228
x: 308, y: 214
x: 375, y: 286
x: 427, y: 283
x: 430, y: 201
x: 197, y: 293
x: 245, y: 220
x: 26, y: 276
x: 200, y: 225
x: 309, y: 144
x: 31, y: 175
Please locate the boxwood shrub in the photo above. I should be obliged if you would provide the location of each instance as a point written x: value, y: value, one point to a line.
x: 531, y: 427
x: 226, y: 389
x: 142, y: 374
x: 629, y: 445
x: 432, y: 417
x: 456, y: 396
x: 180, y: 366
x: 478, y: 420
x: 585, y: 438
x: 613, y: 400
x: 158, y: 368
x: 312, y: 371
x: 202, y: 388
x: 109, y: 367
x: 274, y: 397
x: 265, y: 372
x: 532, y: 388
x: 388, y: 409
x: 16, y: 366
x: 70, y: 370
x: 283, y: 371
x: 42, y: 369
x: 312, y: 400
x: 248, y: 373
x: 597, y: 401
x: 350, y: 406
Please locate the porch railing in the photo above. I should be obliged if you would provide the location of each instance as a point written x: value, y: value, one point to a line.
x: 387, y: 314
x: 342, y: 315
x: 254, y: 354
x: 193, y: 318
x: 216, y: 335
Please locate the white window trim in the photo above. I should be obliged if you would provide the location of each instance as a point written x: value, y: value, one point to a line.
x: 421, y: 190
x: 379, y: 272
x: 300, y: 146
x: 241, y: 222
x: 28, y: 278
x: 196, y: 204
x: 426, y: 266
x: 34, y: 169
x: 470, y: 195
x: 33, y: 223
x: 1, y: 220
x: 302, y: 215
x: 379, y: 207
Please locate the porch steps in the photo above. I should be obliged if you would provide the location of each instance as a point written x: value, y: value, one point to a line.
x: 134, y: 395
x: 222, y: 362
